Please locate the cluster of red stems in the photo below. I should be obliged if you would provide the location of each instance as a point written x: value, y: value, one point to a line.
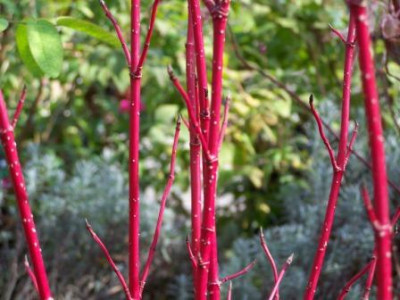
x: 206, y: 136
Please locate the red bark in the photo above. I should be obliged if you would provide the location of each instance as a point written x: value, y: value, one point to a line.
x: 376, y: 143
x: 24, y: 209
x: 280, y: 277
x: 338, y: 164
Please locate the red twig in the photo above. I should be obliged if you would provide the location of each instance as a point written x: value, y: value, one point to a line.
x: 338, y: 34
x: 396, y: 217
x: 270, y: 259
x: 369, y: 208
x: 192, y: 116
x: 20, y: 105
x: 353, y: 280
x: 191, y: 254
x: 237, y: 274
x: 164, y: 197
x: 149, y: 34
x: 351, y: 143
x: 109, y: 259
x: 323, y: 136
x: 280, y: 277
x: 224, y: 122
x: 31, y: 274
x: 338, y: 163
x: 229, y: 297
x: 25, y: 212
x: 370, y: 278
x: 376, y: 142
x: 117, y: 30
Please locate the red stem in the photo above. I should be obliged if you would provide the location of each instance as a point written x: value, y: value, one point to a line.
x: 370, y: 278
x: 31, y: 274
x: 191, y: 254
x: 147, y: 40
x: 338, y: 163
x: 376, y: 141
x: 20, y: 105
x: 110, y: 260
x: 239, y: 273
x: 195, y: 156
x: 134, y: 142
x: 270, y: 259
x: 18, y: 181
x: 118, y: 31
x: 353, y: 280
x: 209, y: 247
x: 280, y: 277
x: 165, y: 194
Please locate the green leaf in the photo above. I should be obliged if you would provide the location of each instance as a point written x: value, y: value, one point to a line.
x: 25, y: 52
x: 3, y: 24
x: 39, y: 45
x: 90, y: 29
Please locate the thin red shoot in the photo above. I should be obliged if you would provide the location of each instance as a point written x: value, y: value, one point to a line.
x: 31, y: 274
x: 280, y: 277
x: 170, y: 181
x: 240, y: 273
x: 20, y: 105
x: 118, y: 31
x: 270, y: 259
x: 229, y: 297
x: 191, y: 255
x: 224, y: 122
x: 110, y: 260
x: 354, y: 279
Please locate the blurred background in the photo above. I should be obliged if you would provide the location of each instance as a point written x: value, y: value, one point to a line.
x: 275, y: 171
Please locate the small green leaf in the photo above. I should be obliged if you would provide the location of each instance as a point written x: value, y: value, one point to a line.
x: 3, y: 24
x: 90, y: 29
x: 25, y: 52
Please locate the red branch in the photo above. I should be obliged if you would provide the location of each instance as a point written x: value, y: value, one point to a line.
x: 24, y: 208
x: 171, y: 177
x: 110, y: 260
x: 280, y: 277
x: 20, y: 105
x: 117, y: 31
x: 338, y: 163
x: 31, y: 274
x: 353, y: 280
x: 191, y: 254
x: 377, y: 149
x: 270, y: 259
x: 370, y: 278
x: 192, y: 116
x: 229, y: 297
x: 149, y: 34
x: 328, y: 146
x: 237, y: 274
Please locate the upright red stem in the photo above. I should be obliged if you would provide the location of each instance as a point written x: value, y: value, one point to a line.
x: 370, y: 279
x: 170, y: 181
x: 20, y: 105
x: 338, y: 164
x: 134, y: 140
x: 31, y: 274
x: 25, y: 212
x: 195, y: 157
x: 229, y: 297
x: 376, y: 142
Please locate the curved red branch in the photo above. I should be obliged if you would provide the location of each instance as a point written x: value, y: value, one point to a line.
x: 280, y: 277
x: 118, y: 31
x: 20, y: 105
x: 170, y: 181
x: 270, y: 259
x: 110, y: 260
x: 353, y: 280
x: 237, y: 274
